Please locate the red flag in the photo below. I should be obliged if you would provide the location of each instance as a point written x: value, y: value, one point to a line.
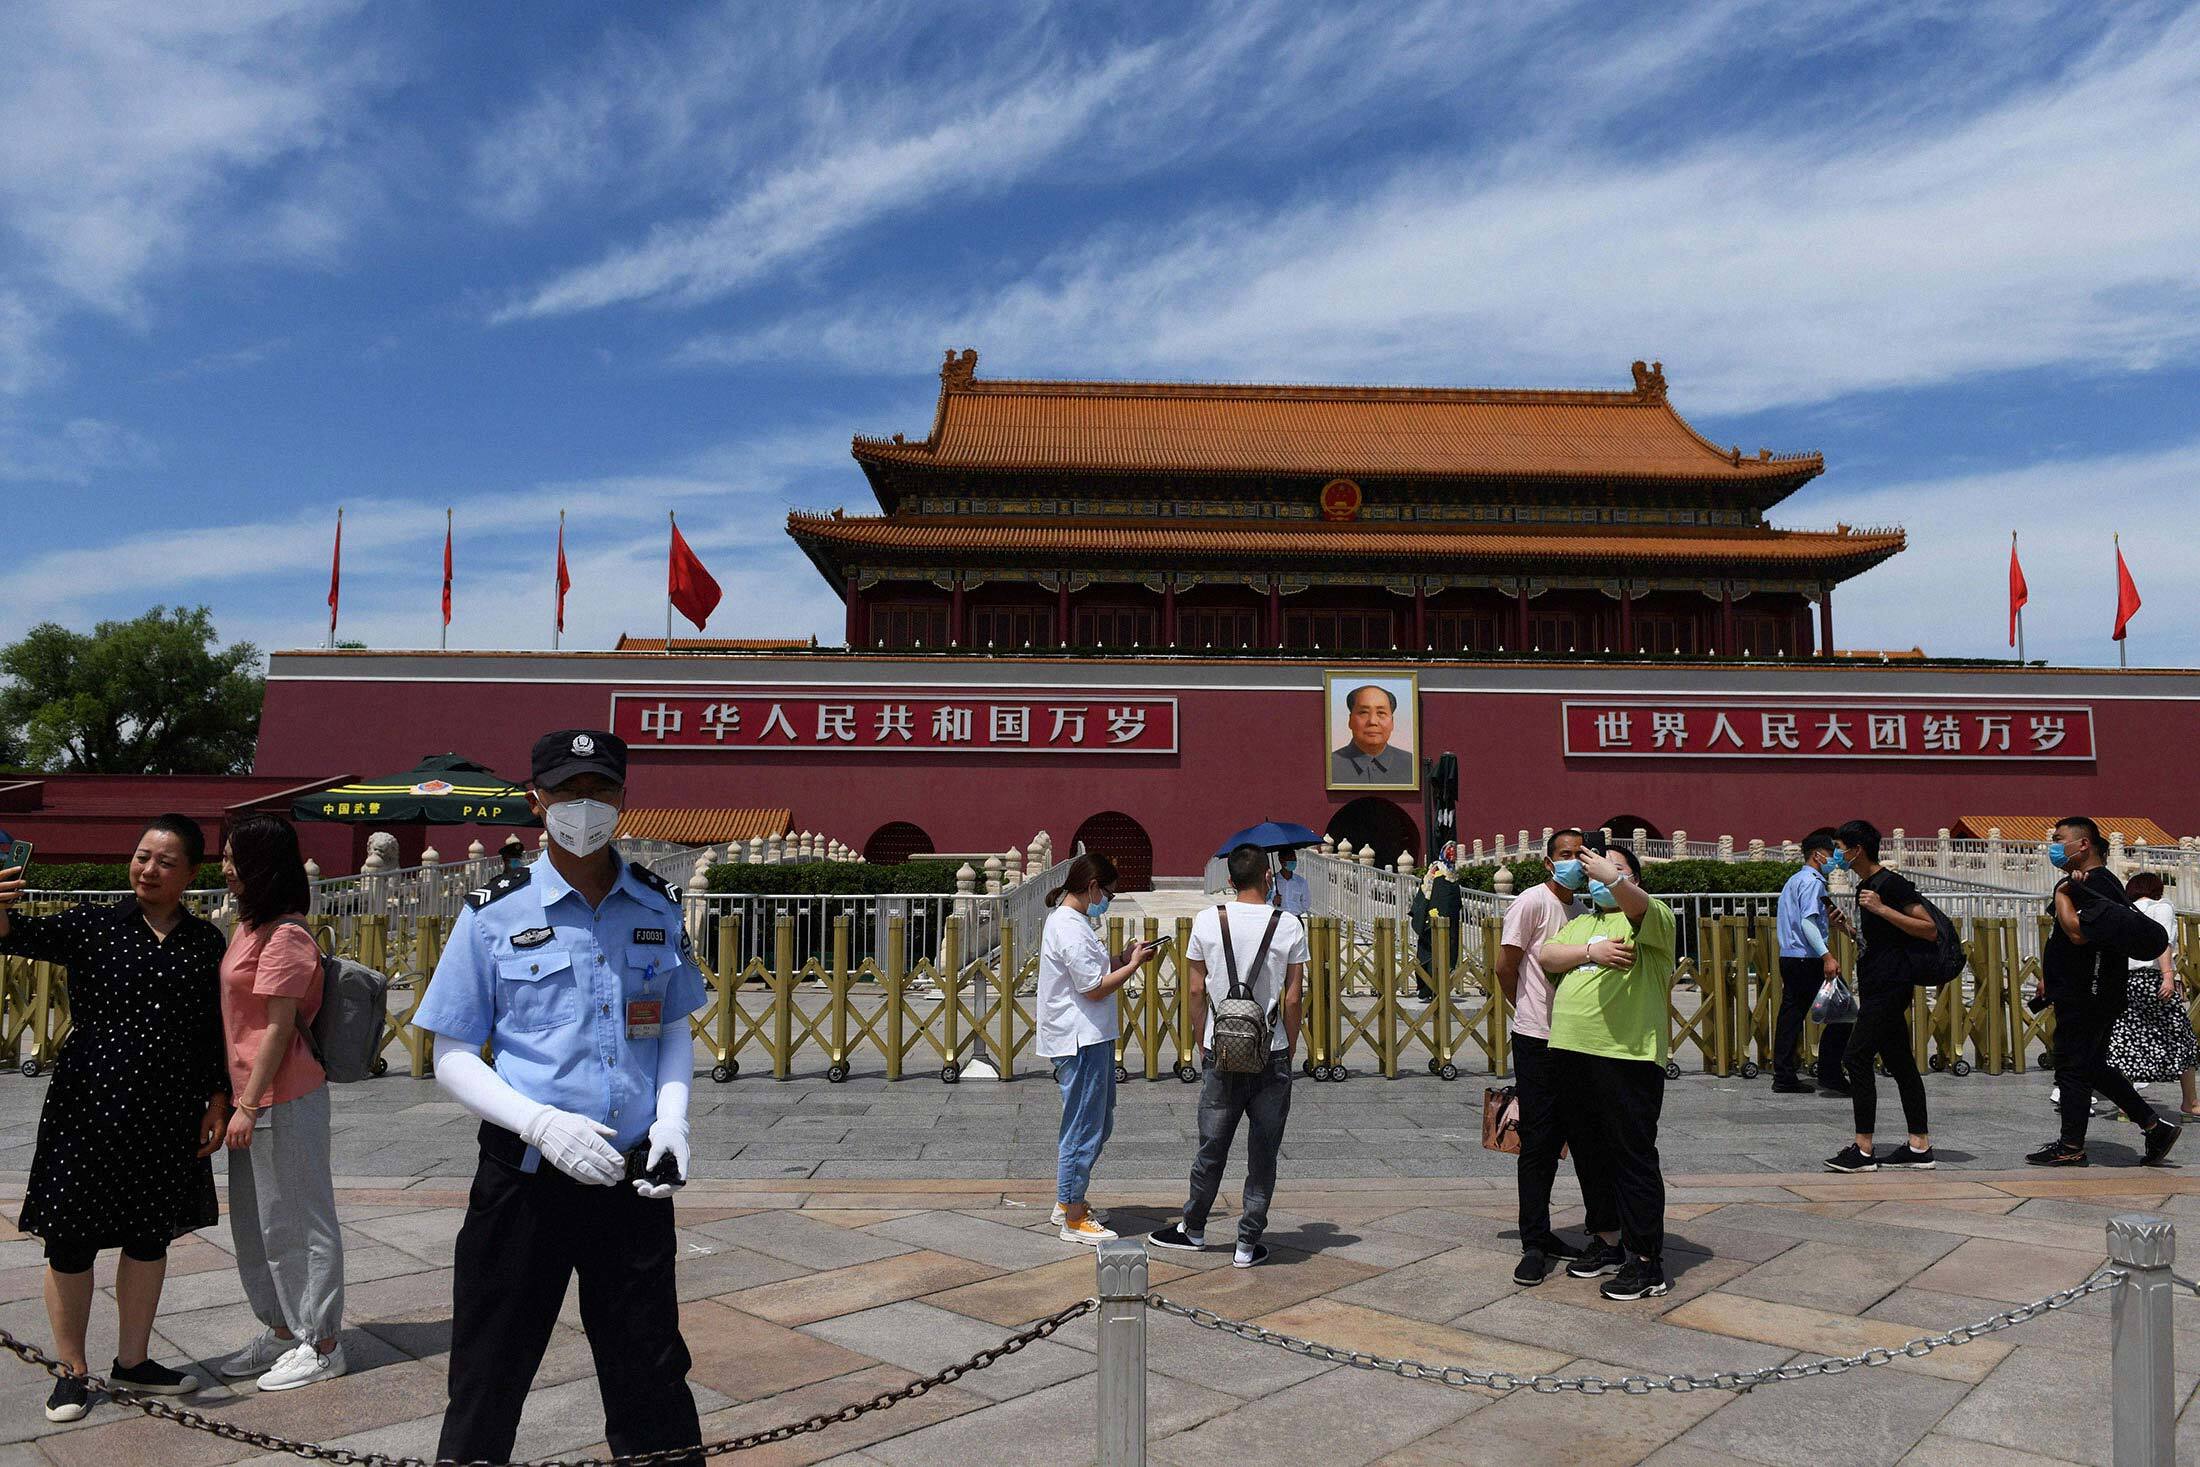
x: 446, y: 567
x: 690, y: 586
x: 2127, y: 595
x: 2018, y: 592
x: 565, y: 579
x: 335, y: 573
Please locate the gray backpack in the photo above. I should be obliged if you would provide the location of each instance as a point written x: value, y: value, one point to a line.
x: 1241, y: 1025
x: 346, y: 1035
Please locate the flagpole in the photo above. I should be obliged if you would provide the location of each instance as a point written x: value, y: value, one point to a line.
x: 674, y: 518
x: 2123, y: 643
x: 555, y: 629
x: 444, y: 642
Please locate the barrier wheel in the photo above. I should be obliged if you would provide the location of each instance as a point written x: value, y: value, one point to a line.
x: 1672, y: 1071
x: 722, y: 1073
x: 1960, y: 1068
x: 1340, y: 1074
x: 1448, y: 1072
x: 1319, y: 1072
x: 1306, y: 1066
x: 949, y: 1074
x: 836, y: 1074
x: 1433, y: 1064
x: 1750, y: 1070
x: 381, y: 1066
x: 1187, y: 1074
x: 1937, y: 1063
x: 30, y: 1068
x: 1122, y: 1075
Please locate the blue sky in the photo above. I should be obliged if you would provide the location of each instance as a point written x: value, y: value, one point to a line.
x: 259, y: 259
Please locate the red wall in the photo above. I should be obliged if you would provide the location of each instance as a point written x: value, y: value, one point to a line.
x: 1254, y: 753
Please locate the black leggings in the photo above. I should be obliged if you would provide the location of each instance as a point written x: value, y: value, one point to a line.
x: 64, y: 1256
x: 1883, y: 1033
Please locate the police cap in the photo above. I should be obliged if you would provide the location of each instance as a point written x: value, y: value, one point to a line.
x: 577, y: 751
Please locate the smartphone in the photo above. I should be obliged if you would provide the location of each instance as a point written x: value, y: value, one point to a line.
x: 665, y: 1174
x: 18, y: 853
x: 1163, y: 940
x: 2036, y: 1002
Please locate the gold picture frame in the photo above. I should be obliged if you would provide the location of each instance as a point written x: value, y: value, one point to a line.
x: 1352, y: 761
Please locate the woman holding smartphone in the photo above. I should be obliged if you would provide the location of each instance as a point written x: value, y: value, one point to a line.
x: 139, y: 1101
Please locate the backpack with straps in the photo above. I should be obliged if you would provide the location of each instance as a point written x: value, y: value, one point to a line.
x: 1241, y: 1024
x: 346, y: 1034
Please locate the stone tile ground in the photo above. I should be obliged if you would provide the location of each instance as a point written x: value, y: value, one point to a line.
x: 887, y: 1230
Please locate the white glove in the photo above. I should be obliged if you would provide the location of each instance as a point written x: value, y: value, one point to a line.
x: 664, y: 1137
x: 575, y: 1145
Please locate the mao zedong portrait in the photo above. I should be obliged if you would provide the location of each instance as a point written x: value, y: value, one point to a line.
x: 1369, y: 757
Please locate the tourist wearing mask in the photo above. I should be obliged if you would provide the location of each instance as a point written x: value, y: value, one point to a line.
x: 1609, y: 1036
x: 1806, y: 962
x: 282, y: 1197
x: 1292, y: 893
x: 2153, y: 1040
x: 1078, y: 1029
x: 1897, y: 931
x: 138, y: 1103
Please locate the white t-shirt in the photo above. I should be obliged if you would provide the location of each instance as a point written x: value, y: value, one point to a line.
x: 1247, y: 924
x: 1072, y: 961
x: 1532, y: 920
x: 2166, y: 915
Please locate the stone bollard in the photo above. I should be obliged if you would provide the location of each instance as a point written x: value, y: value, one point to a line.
x: 2116, y: 853
x: 1547, y: 837
x: 428, y: 859
x: 476, y: 851
x: 756, y: 850
x: 966, y: 880
x: 313, y: 870
x: 1121, y: 1334
x: 1478, y: 852
x: 1726, y: 847
x: 992, y: 875
x: 1898, y: 851
x: 1405, y: 863
x: 1791, y: 850
x: 775, y: 850
x: 1012, y: 866
x: 699, y: 878
x: 1035, y: 857
x: 1367, y: 855
x: 1680, y: 845
x: 1996, y: 863
x: 1944, y: 853
x: 1502, y: 882
x: 1606, y: 832
x: 2142, y: 1341
x: 1523, y: 846
x: 1756, y: 848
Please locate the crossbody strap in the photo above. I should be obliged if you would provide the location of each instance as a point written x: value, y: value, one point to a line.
x: 1229, y: 953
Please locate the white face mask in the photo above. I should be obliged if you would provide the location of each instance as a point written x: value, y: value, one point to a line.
x: 582, y: 827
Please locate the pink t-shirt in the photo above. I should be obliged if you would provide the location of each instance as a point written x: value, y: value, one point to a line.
x: 279, y: 960
x: 1532, y: 920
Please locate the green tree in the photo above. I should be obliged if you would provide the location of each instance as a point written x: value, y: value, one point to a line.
x: 155, y: 695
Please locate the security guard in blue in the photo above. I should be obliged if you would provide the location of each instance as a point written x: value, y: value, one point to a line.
x: 578, y: 974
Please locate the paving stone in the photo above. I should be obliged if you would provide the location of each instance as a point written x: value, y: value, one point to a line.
x: 1018, y: 1298
x: 1642, y: 1343
x: 1376, y: 1248
x: 832, y: 1444
x: 745, y: 1358
x: 1056, y: 1426
x: 1203, y: 1357
x: 998, y: 1245
x: 1356, y: 1327
x: 1825, y: 1276
x: 1985, y: 1268
x: 1440, y: 1288
x: 865, y: 1286
x: 1563, y: 1431
x: 1954, y: 1451
x: 1866, y: 1418
x: 798, y: 1238
x: 2048, y: 1401
x: 2083, y: 1328
x: 1944, y: 1218
x: 1816, y: 1332
x: 923, y: 1338
x: 1342, y: 1419
x: 1285, y: 1279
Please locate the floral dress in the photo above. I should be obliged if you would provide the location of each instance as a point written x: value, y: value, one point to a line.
x: 118, y: 1138
x: 2153, y: 1038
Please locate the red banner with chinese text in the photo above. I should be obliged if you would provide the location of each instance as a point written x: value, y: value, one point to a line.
x: 1760, y: 729
x: 736, y: 720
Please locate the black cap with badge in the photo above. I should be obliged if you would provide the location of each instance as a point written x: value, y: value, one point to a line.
x: 577, y: 751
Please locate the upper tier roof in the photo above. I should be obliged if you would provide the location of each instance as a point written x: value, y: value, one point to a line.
x: 1191, y: 428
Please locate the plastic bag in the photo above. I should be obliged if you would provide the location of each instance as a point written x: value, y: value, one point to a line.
x: 1834, y: 1003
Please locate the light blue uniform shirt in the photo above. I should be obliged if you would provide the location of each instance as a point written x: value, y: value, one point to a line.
x: 1802, y: 916
x: 532, y: 970
x: 1293, y: 894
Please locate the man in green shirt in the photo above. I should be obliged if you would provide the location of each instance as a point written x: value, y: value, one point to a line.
x: 1609, y: 1038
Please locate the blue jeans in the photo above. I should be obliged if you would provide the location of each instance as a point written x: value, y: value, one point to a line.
x: 1087, y: 1079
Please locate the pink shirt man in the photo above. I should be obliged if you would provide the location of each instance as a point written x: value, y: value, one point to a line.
x: 1534, y: 917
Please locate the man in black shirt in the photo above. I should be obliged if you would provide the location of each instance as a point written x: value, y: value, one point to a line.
x: 1895, y: 925
x: 2085, y: 983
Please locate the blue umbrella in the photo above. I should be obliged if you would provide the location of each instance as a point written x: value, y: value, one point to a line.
x: 1271, y: 835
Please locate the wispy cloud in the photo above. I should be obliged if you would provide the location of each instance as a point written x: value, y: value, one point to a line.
x: 75, y: 452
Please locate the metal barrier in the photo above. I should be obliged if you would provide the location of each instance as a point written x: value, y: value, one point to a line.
x: 2142, y: 1249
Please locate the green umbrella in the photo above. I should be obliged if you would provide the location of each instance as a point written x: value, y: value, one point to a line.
x: 443, y: 790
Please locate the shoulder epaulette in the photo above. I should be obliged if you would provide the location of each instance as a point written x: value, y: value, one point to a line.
x: 656, y: 884
x: 498, y: 889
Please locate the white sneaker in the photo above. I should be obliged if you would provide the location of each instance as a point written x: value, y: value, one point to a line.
x: 256, y: 1358
x: 304, y: 1366
x: 1097, y: 1214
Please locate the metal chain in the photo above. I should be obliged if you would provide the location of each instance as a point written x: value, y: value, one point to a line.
x: 158, y: 1408
x: 1459, y: 1377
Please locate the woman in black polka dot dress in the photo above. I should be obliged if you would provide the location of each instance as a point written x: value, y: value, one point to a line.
x: 138, y: 1104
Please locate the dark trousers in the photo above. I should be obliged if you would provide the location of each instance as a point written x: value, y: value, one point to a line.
x: 1883, y: 1033
x: 1800, y: 979
x: 2082, y: 1025
x: 1264, y: 1100
x: 524, y: 1237
x: 1543, y: 1135
x: 1611, y: 1109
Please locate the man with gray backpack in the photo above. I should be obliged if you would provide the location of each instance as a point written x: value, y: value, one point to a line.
x: 1248, y: 1008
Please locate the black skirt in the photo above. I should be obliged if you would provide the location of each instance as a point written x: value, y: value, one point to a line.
x: 2153, y: 1038
x: 118, y: 1136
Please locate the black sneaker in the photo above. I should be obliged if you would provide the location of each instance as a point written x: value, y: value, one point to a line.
x: 70, y: 1399
x: 1252, y: 1257
x: 1789, y: 1085
x: 1911, y: 1159
x: 153, y: 1378
x: 1850, y: 1159
x: 2054, y: 1153
x: 2161, y: 1136
x: 1534, y: 1267
x: 1174, y: 1236
x: 1641, y: 1278
x: 1597, y: 1259
x: 1835, y: 1092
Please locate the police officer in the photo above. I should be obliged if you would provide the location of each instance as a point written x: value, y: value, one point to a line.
x: 578, y: 972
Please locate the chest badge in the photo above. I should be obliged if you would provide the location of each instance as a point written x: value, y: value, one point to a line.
x: 649, y: 936
x: 532, y: 937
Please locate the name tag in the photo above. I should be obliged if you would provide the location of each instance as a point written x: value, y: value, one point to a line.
x: 650, y: 936
x: 645, y: 1018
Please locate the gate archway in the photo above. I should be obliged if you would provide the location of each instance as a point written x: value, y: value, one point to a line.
x: 1122, y: 840
x: 1374, y: 821
x: 895, y: 842
x: 1631, y: 828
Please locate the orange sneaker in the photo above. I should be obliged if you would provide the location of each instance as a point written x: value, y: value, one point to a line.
x: 1085, y: 1230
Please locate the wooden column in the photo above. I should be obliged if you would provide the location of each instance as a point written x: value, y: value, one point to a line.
x: 958, y: 634
x: 1626, y: 620
x: 1168, y: 611
x: 1522, y: 643
x: 855, y: 614
x: 1275, y: 613
x: 1420, y: 616
x: 1825, y: 620
x: 1727, y: 647
x: 1061, y: 611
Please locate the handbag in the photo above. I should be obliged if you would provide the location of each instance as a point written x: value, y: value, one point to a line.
x: 1835, y: 1004
x: 1501, y: 1119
